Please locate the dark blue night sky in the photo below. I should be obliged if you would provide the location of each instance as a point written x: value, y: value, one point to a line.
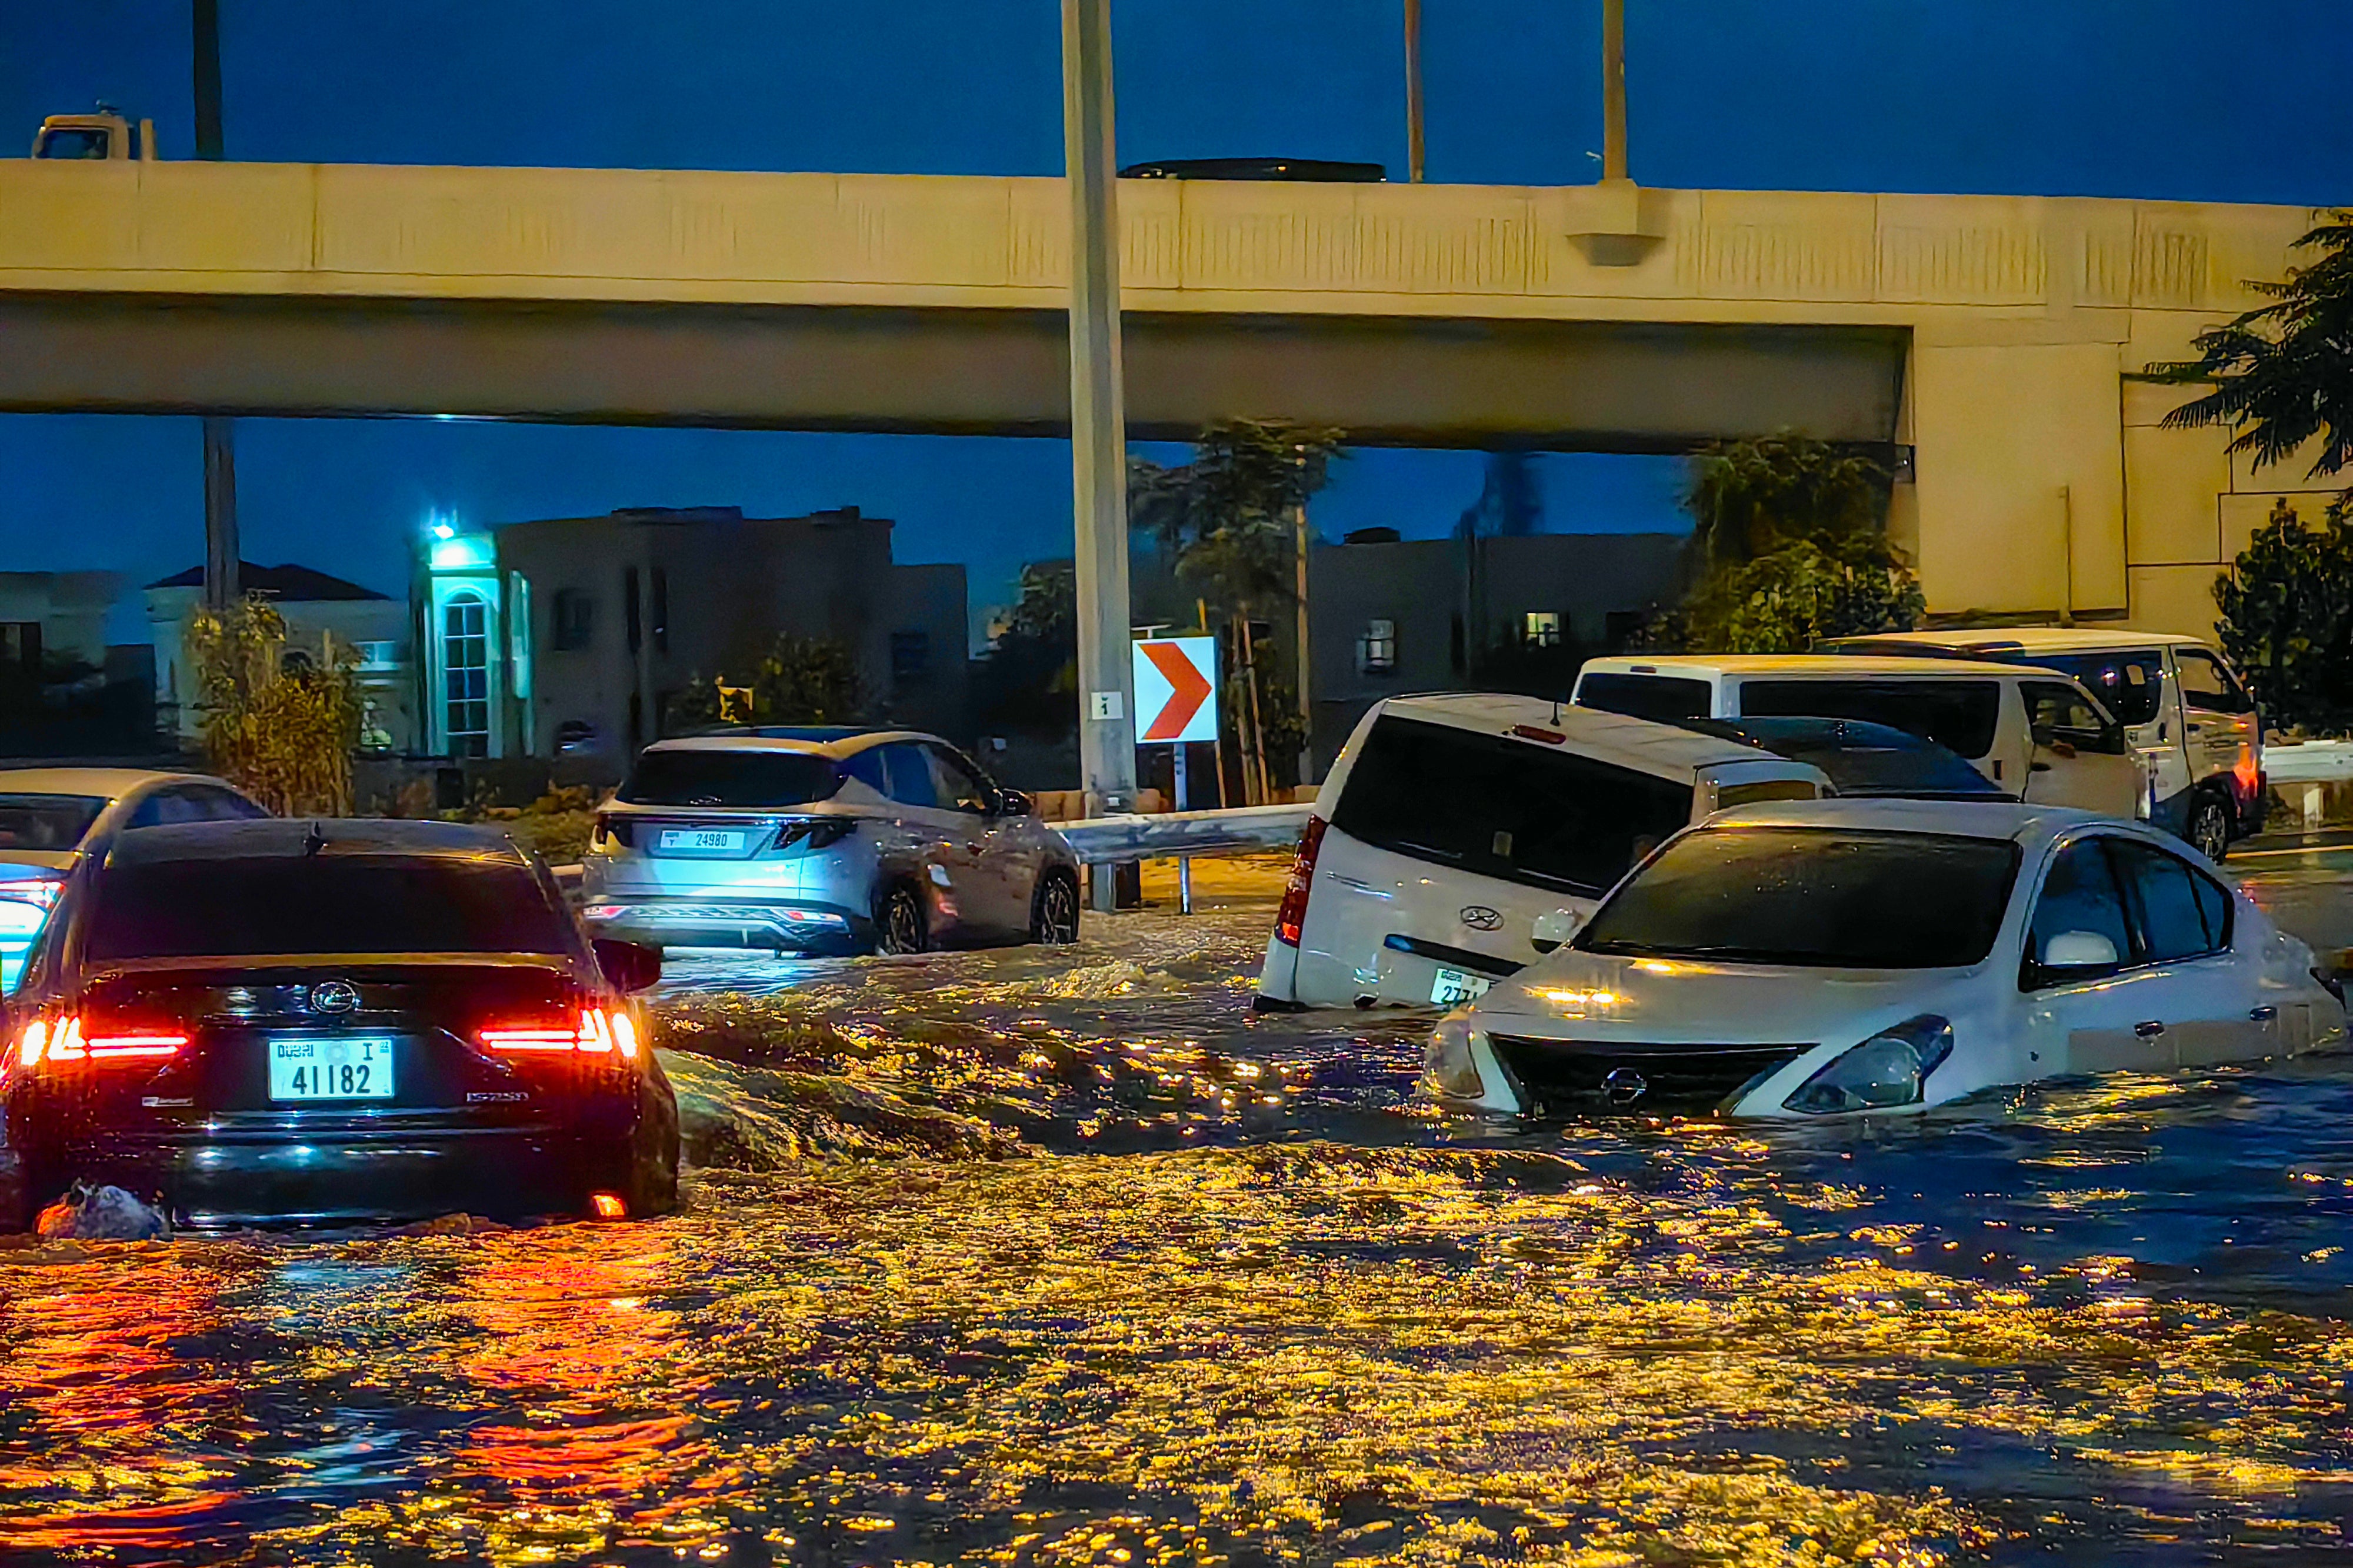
x: 2182, y: 98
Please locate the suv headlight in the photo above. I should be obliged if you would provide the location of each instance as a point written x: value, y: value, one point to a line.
x: 1450, y: 1070
x: 1889, y: 1070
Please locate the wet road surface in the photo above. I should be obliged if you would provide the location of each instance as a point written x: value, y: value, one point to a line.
x: 1060, y: 1257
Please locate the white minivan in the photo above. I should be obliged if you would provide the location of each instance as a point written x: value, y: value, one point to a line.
x: 2038, y: 734
x: 2188, y: 716
x: 1459, y: 836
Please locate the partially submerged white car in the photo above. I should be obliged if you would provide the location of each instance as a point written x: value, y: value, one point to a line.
x: 1826, y: 957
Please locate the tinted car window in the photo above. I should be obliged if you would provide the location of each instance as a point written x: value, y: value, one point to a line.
x: 321, y: 903
x: 866, y: 767
x: 1861, y: 759
x: 2129, y: 684
x: 2063, y: 714
x: 1819, y: 896
x: 2208, y: 686
x: 1663, y: 697
x: 167, y: 806
x: 227, y: 806
x: 1511, y: 809
x: 2175, y: 921
x: 2080, y: 894
x: 1959, y: 715
x: 47, y: 821
x: 747, y: 778
x: 908, y: 773
x: 957, y: 789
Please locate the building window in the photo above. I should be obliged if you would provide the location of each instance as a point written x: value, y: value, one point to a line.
x: 377, y: 654
x: 1377, y: 649
x: 466, y: 674
x: 574, y: 619
x: 1540, y: 628
x: 20, y: 643
x: 911, y: 654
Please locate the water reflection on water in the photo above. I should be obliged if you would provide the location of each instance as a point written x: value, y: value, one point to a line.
x: 1060, y: 1257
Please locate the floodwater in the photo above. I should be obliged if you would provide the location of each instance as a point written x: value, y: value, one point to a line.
x: 1057, y: 1257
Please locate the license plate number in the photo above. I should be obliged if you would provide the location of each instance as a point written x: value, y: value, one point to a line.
x: 354, y: 1068
x: 702, y: 840
x: 1453, y: 988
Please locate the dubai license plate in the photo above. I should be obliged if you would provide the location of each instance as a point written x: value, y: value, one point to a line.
x: 344, y: 1067
x: 702, y: 840
x: 1453, y: 988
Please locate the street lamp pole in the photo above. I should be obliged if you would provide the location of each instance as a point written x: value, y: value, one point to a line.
x: 1098, y: 422
x: 1413, y: 90
x: 1613, y: 90
x: 220, y: 434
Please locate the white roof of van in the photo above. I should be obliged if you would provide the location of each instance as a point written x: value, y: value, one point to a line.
x: 1827, y: 666
x: 1638, y: 743
x: 2042, y: 639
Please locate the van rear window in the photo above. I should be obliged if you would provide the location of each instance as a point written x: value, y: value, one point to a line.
x: 1959, y: 715
x: 1666, y: 697
x: 1510, y: 809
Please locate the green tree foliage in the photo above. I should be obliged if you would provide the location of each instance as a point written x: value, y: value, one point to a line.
x: 1789, y: 546
x: 1028, y: 683
x: 281, y: 730
x: 2287, y: 618
x: 799, y: 680
x: 2283, y: 374
x: 1226, y: 518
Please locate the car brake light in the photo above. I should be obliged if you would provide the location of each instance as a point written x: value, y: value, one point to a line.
x: 609, y: 1205
x: 66, y: 1042
x: 1293, y: 912
x: 597, y: 1033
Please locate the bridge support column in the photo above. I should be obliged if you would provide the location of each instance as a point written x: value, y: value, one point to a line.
x: 1098, y: 421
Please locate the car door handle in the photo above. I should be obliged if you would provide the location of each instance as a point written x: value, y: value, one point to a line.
x: 2150, y: 1029
x: 2194, y: 729
x: 2262, y: 1015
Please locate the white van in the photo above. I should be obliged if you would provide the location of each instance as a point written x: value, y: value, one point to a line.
x: 2188, y: 714
x: 2039, y: 735
x: 1459, y: 836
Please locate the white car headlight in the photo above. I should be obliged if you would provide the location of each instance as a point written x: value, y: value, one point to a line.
x: 1450, y: 1070
x: 1889, y: 1070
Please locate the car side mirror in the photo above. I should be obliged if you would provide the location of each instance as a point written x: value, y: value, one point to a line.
x: 1014, y: 803
x: 631, y: 966
x: 1553, y: 929
x: 2079, y: 950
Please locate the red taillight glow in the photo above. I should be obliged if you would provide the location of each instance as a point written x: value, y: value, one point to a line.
x: 597, y: 1033
x: 1293, y: 912
x: 2249, y: 772
x: 609, y: 1205
x: 64, y: 1042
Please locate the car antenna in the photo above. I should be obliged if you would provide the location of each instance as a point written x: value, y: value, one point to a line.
x: 314, y: 839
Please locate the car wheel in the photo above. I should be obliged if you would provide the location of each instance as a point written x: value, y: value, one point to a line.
x: 900, y: 925
x: 2209, y: 827
x: 1054, y: 914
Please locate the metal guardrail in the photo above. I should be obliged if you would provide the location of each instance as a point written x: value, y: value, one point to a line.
x: 1238, y: 830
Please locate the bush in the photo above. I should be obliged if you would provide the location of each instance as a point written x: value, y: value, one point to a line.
x: 2287, y: 618
x: 283, y: 731
x: 1789, y: 598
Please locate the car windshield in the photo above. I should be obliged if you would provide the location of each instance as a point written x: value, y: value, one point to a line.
x: 321, y: 903
x: 731, y: 778
x: 1835, y: 897
x: 47, y: 821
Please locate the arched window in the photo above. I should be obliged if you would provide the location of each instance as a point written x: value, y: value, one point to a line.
x: 466, y: 674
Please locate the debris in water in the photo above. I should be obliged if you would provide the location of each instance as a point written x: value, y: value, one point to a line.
x: 102, y: 1214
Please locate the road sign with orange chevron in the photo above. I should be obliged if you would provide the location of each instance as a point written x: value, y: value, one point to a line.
x: 1175, y: 690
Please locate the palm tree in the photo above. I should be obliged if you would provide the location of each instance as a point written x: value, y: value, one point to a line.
x: 2283, y: 374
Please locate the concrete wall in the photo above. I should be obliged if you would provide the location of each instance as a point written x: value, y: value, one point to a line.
x: 70, y: 607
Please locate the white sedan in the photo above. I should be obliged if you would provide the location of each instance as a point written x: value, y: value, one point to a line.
x: 1815, y: 958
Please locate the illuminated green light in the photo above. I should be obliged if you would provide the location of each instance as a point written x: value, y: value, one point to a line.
x: 462, y: 551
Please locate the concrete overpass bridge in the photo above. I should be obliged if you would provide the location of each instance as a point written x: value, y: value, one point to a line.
x: 1995, y: 337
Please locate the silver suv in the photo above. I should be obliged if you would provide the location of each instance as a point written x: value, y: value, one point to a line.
x: 824, y: 842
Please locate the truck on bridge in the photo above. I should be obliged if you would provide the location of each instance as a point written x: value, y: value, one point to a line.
x: 105, y: 134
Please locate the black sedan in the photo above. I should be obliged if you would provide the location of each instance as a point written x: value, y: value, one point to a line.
x: 329, y: 1023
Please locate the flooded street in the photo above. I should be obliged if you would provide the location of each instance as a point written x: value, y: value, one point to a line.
x: 1061, y: 1256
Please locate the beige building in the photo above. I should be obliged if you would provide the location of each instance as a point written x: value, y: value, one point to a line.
x: 326, y: 618
x: 55, y: 615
